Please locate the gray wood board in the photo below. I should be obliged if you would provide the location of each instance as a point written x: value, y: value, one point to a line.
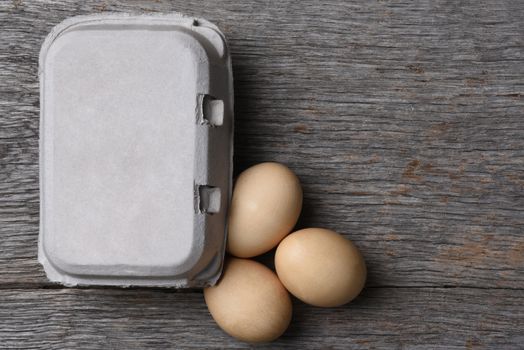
x: 381, y: 318
x: 404, y: 121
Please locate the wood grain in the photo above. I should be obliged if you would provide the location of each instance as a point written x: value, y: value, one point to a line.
x: 389, y: 318
x: 404, y: 121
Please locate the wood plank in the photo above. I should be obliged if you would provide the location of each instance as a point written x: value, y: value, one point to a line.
x: 403, y: 121
x: 382, y: 318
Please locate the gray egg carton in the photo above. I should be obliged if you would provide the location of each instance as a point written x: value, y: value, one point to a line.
x: 136, y: 143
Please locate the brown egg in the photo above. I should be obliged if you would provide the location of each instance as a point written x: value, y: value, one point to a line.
x: 265, y: 207
x: 249, y: 302
x: 320, y: 267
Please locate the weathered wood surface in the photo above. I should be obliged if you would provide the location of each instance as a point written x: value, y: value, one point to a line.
x: 389, y: 318
x: 404, y: 121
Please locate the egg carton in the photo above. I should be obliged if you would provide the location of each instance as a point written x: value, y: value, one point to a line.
x: 136, y: 144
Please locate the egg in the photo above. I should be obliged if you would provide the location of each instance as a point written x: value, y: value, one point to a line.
x: 249, y: 302
x: 265, y: 206
x: 320, y: 267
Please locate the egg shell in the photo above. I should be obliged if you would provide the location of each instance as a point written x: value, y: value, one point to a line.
x: 265, y: 206
x: 249, y: 302
x: 320, y: 267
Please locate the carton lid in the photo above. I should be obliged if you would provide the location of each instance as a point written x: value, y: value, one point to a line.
x: 135, y: 150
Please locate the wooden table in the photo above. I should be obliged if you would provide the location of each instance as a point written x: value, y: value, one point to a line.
x: 405, y: 123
